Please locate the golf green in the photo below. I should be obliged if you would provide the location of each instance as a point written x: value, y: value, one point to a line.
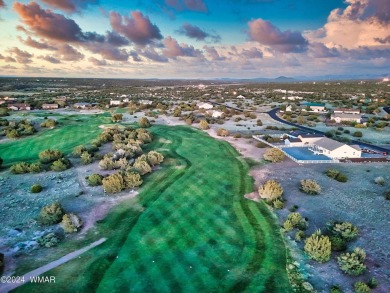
x: 189, y: 230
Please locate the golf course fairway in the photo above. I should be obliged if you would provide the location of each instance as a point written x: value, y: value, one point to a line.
x: 190, y: 229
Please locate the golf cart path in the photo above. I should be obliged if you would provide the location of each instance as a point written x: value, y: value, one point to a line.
x: 11, y: 286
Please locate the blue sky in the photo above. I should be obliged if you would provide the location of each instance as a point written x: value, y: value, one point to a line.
x: 194, y: 38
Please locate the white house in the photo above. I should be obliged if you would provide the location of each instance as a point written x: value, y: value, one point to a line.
x: 115, y: 102
x: 215, y: 113
x: 49, y: 106
x: 82, y: 105
x: 19, y: 107
x: 346, y: 111
x: 316, y: 107
x: 146, y: 102
x: 334, y: 149
x: 206, y: 106
x: 292, y: 98
x: 346, y: 117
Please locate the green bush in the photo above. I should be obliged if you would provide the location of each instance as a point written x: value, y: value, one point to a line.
x: 86, y: 158
x: 345, y: 230
x: 36, y: 167
x: 278, y: 204
x: 49, y: 123
x: 295, y: 220
x: 142, y: 167
x: 318, y: 247
x: 114, y: 183
x: 361, y: 287
x: 77, y: 151
x: 154, y: 158
x: 270, y: 190
x: 273, y: 155
x: 71, y: 223
x: 51, y: 214
x: 352, y: 263
x: 310, y: 186
x: 48, y: 156
x: 335, y: 289
x: 261, y: 145
x: 387, y: 194
x: 48, y: 240
x: 299, y: 235
x: 60, y: 165
x: 144, y: 122
x: 357, y: 134
x: 36, y: 188
x: 373, y: 283
x: 95, y: 179
x: 332, y: 173
x: 380, y: 180
x: 20, y: 168
x: 342, y: 178
x: 204, y: 125
x: 338, y: 243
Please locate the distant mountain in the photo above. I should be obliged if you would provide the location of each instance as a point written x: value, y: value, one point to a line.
x: 258, y: 79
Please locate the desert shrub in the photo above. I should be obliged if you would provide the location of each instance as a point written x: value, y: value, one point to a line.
x: 278, y: 204
x: 310, y: 186
x: 132, y: 179
x: 36, y: 188
x: 259, y: 122
x: 77, y: 151
x: 361, y: 287
x: 86, y: 158
x: 299, y: 235
x: 222, y: 132
x: 344, y: 230
x: 49, y: 123
x: 261, y: 145
x: 154, y: 158
x: 293, y: 208
x: 387, y: 194
x: 273, y: 155
x: 295, y: 220
x: 342, y: 177
x: 71, y: 223
x: 335, y: 289
x: 338, y: 243
x: 60, y: 165
x: 271, y: 190
x: 373, y: 283
x: 142, y: 167
x: 20, y: 168
x: 379, y: 180
x: 114, y: 183
x: 49, y: 156
x: 357, y: 134
x: 95, y: 179
x: 107, y: 163
x: 117, y: 117
x: 318, y: 247
x: 352, y: 263
x: 237, y: 135
x: 36, y: 167
x: 48, y: 240
x: 12, y: 133
x: 204, y: 125
x: 51, y: 214
x: 332, y: 173
x: 144, y: 122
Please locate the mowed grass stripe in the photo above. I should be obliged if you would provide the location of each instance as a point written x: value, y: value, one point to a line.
x: 194, y: 215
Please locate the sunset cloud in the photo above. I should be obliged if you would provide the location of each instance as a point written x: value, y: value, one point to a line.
x: 266, y: 33
x: 50, y: 59
x: 2, y: 4
x: 173, y: 49
x: 192, y: 5
x: 137, y: 28
x: 21, y: 56
x: 97, y: 62
x: 70, y: 5
x: 195, y: 32
x: 38, y: 45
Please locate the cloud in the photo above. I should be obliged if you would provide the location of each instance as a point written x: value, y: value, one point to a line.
x: 9, y: 59
x: 266, y: 33
x: 192, y: 5
x: 97, y: 62
x: 173, y: 49
x: 68, y: 53
x: 21, y: 56
x: 252, y: 53
x: 116, y: 40
x: 70, y: 5
x: 2, y: 4
x: 136, y: 28
x: 385, y: 40
x: 50, y: 59
x: 108, y: 51
x: 361, y: 23
x: 38, y: 45
x: 213, y: 53
x: 151, y: 54
x: 195, y: 32
x: 319, y: 50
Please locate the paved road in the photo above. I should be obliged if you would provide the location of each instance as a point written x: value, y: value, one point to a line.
x: 273, y: 115
x: 39, y: 271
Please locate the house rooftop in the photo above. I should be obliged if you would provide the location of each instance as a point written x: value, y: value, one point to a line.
x: 328, y: 143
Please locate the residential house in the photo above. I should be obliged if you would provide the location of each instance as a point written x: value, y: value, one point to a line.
x: 346, y: 111
x: 316, y: 107
x: 335, y: 149
x: 215, y: 113
x: 292, y: 98
x: 49, y: 106
x: 82, y: 105
x: 115, y: 102
x: 341, y: 117
x: 19, y: 107
x: 206, y: 106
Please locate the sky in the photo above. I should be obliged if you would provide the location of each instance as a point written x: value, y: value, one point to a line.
x: 194, y: 38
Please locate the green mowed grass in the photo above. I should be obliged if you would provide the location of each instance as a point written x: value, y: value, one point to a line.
x: 72, y: 131
x: 190, y: 229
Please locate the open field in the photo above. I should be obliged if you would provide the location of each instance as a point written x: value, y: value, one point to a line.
x: 73, y: 130
x: 359, y: 201
x: 190, y: 229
